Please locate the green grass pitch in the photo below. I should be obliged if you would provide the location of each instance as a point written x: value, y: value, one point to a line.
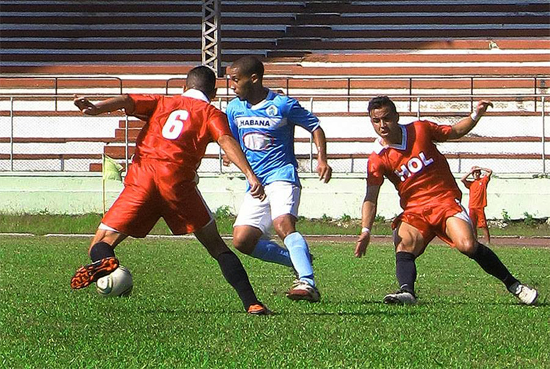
x: 182, y: 313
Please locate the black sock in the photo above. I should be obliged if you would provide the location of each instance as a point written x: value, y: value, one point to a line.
x: 405, y: 270
x: 101, y: 250
x: 490, y: 263
x: 236, y: 276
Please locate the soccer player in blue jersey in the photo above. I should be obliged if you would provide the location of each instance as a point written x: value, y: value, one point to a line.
x: 263, y: 122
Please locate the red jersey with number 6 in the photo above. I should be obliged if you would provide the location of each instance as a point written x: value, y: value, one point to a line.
x: 178, y: 129
x: 419, y: 172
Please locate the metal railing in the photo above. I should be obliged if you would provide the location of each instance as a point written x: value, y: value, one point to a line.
x: 413, y: 104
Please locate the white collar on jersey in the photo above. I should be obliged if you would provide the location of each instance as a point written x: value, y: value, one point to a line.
x: 379, y: 146
x: 196, y: 94
x: 259, y: 105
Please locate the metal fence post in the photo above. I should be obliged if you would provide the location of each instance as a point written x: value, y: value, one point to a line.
x: 543, y: 135
x: 126, y: 144
x: 311, y: 140
x: 11, y: 134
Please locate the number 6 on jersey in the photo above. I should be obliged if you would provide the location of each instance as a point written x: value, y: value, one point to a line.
x: 174, y: 124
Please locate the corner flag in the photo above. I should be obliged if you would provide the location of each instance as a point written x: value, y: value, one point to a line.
x: 111, y: 169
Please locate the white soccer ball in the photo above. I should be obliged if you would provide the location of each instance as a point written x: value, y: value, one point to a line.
x: 118, y: 283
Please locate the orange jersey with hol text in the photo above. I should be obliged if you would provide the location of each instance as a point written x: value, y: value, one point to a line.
x: 178, y: 130
x: 419, y: 172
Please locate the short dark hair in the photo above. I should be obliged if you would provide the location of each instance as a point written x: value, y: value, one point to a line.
x: 249, y: 65
x: 381, y: 101
x: 201, y: 78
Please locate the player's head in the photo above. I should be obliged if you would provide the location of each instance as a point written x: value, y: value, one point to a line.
x: 246, y: 74
x: 384, y: 118
x: 203, y: 79
x: 476, y: 172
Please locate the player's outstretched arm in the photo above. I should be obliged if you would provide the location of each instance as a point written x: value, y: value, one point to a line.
x: 108, y: 105
x: 236, y: 156
x: 368, y: 213
x: 467, y: 124
x: 323, y: 169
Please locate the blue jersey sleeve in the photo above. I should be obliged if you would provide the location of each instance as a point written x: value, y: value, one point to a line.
x: 301, y: 116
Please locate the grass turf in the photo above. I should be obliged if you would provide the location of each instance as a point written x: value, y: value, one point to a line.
x: 182, y: 313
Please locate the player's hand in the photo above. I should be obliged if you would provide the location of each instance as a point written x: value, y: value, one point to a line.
x: 325, y: 172
x: 361, y: 244
x: 85, y: 106
x: 225, y: 160
x: 256, y: 189
x: 482, y: 106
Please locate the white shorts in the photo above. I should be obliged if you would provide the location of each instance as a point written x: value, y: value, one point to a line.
x: 281, y: 198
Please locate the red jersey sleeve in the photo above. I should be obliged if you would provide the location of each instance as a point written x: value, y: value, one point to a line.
x: 468, y: 184
x: 218, y: 124
x: 144, y: 105
x: 375, y: 170
x: 439, y: 133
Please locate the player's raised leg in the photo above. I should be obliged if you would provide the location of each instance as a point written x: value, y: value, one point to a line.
x: 248, y: 240
x: 231, y: 267
x: 103, y: 258
x: 461, y: 233
x: 409, y: 244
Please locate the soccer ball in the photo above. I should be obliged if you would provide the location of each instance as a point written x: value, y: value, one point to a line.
x: 118, y: 283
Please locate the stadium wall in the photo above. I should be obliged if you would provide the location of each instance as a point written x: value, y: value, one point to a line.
x: 46, y: 193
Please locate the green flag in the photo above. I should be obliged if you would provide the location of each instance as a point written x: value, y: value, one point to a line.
x: 111, y: 169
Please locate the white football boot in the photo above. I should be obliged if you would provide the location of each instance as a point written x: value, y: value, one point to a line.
x: 301, y: 290
x: 525, y: 294
x: 401, y: 297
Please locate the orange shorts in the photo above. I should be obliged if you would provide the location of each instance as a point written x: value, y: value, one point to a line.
x: 152, y: 190
x: 477, y: 216
x: 431, y: 219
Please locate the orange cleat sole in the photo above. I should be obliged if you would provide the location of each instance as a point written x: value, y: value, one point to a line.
x: 90, y: 273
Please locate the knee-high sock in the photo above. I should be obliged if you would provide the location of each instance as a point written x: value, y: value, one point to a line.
x: 405, y: 270
x: 235, y: 275
x: 101, y: 250
x: 268, y: 250
x: 491, y: 264
x: 299, y: 254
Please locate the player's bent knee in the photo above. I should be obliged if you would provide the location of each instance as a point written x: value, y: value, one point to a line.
x: 244, y: 244
x: 467, y: 246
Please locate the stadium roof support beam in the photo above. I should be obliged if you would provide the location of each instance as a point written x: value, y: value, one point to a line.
x: 211, y: 37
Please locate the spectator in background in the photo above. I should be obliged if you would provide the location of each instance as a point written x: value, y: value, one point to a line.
x: 478, y: 198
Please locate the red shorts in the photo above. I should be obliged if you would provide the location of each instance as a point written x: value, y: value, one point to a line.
x: 431, y: 219
x: 477, y: 216
x: 153, y: 189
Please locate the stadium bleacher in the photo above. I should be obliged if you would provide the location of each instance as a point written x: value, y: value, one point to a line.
x: 333, y: 55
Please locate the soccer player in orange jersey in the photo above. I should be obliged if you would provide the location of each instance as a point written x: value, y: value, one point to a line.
x: 429, y: 195
x: 478, y: 198
x: 161, y: 181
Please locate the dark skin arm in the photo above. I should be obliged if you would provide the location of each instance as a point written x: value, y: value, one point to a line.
x: 368, y: 214
x: 323, y: 169
x: 467, y: 124
x: 235, y: 154
x: 105, y: 106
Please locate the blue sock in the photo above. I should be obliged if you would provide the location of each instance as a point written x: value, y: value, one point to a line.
x: 299, y: 254
x: 268, y: 250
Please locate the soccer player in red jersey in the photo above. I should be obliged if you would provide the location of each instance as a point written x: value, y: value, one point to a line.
x: 429, y: 196
x: 478, y: 198
x: 161, y: 181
